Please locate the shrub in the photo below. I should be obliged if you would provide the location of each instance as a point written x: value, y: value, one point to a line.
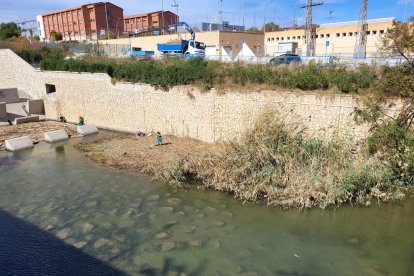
x: 276, y: 163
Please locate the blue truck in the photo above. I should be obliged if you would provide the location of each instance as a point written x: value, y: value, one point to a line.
x: 138, y: 53
x: 187, y: 48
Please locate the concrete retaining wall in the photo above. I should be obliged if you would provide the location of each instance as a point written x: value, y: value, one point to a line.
x: 182, y: 111
x: 3, y: 110
x: 9, y: 95
x: 35, y: 106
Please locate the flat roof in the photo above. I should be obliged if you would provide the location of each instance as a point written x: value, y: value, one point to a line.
x: 355, y: 22
x: 79, y: 7
x: 144, y: 14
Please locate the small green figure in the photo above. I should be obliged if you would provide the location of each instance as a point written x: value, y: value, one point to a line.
x: 159, y: 138
x: 81, y: 121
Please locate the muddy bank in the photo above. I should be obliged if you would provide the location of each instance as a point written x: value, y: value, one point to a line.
x: 139, y: 154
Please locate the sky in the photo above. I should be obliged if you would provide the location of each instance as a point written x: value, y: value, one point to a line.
x: 249, y: 12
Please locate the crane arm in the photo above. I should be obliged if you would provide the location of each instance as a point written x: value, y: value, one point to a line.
x: 186, y: 26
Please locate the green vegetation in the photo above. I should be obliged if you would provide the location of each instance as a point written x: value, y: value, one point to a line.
x: 9, y: 30
x: 276, y: 163
x: 392, y: 135
x: 208, y: 74
x: 55, y: 36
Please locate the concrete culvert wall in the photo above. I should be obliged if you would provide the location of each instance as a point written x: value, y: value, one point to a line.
x: 206, y: 116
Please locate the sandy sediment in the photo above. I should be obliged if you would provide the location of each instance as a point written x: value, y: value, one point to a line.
x: 140, y: 154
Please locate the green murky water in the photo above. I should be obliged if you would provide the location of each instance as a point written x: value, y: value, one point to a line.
x: 147, y: 227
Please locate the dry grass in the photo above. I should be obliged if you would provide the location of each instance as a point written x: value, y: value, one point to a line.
x: 140, y: 154
x: 272, y: 162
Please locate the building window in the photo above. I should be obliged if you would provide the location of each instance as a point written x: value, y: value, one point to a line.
x: 80, y: 21
x: 350, y: 34
x: 374, y: 32
x: 64, y: 15
x: 138, y: 20
x: 381, y: 31
x: 144, y: 19
x: 273, y: 39
x: 277, y: 39
x: 90, y: 10
x: 322, y: 35
x: 110, y: 22
x: 343, y: 34
x: 93, y: 20
x: 268, y: 40
x: 50, y: 88
x: 109, y: 13
x: 93, y: 30
x: 79, y: 12
x: 355, y: 33
x: 282, y: 38
x: 288, y: 38
x: 368, y: 32
x: 338, y: 34
x: 316, y: 36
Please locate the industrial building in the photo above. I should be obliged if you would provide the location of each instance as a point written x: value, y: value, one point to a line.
x: 221, y: 45
x: 147, y: 21
x: 82, y: 22
x: 222, y: 26
x: 332, y: 39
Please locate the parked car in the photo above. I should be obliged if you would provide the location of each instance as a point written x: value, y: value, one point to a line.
x: 286, y: 59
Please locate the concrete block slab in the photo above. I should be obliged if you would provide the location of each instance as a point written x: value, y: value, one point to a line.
x: 19, y: 143
x: 27, y: 119
x: 3, y: 110
x: 9, y: 95
x: 56, y: 136
x: 35, y: 107
x: 87, y: 129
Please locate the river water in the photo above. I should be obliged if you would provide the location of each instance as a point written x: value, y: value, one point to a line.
x: 135, y: 226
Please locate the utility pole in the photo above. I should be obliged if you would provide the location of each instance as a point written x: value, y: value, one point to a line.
x: 360, y: 50
x: 310, y: 32
x: 294, y: 14
x: 175, y: 5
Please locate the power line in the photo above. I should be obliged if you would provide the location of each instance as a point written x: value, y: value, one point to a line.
x: 310, y: 32
x: 361, y: 43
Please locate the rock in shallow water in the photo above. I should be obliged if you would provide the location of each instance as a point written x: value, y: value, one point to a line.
x: 87, y: 227
x: 162, y: 235
x: 168, y: 246
x: 102, y: 242
x: 167, y: 210
x: 175, y: 201
x: 218, y: 223
x: 63, y: 234
x: 153, y: 197
x: 80, y: 244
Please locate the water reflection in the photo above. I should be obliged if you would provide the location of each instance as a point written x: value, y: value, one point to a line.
x: 144, y: 227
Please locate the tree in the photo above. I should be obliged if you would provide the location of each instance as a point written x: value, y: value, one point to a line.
x: 9, y: 30
x: 271, y: 27
x: 55, y: 36
x: 400, y: 40
x: 253, y: 30
x: 392, y: 137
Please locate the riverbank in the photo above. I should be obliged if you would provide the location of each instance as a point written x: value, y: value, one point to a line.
x: 271, y: 163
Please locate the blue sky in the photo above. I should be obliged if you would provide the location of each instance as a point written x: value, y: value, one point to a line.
x: 251, y: 12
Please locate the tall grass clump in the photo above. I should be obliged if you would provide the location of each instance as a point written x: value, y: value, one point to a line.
x: 274, y: 162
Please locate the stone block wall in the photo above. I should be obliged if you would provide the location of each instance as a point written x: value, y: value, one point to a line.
x: 182, y: 111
